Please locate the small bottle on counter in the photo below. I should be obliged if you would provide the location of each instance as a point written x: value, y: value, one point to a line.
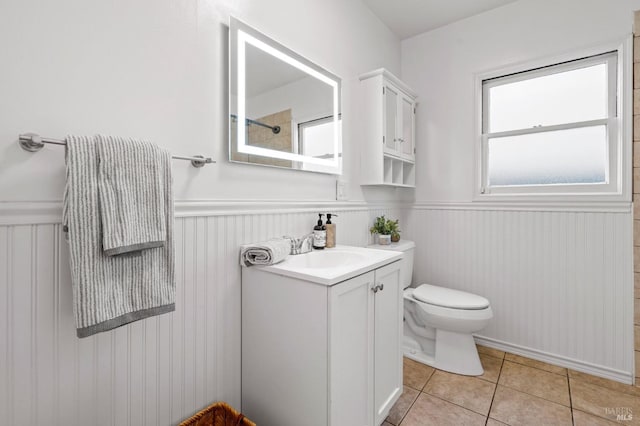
x: 331, y: 231
x: 319, y: 234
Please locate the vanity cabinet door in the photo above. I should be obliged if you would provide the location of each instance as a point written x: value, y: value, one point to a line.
x: 387, y: 340
x: 351, y: 351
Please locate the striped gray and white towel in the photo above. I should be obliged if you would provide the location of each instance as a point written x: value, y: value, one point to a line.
x: 265, y: 253
x: 110, y: 291
x: 130, y: 189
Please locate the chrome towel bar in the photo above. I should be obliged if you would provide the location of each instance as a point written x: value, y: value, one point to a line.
x: 32, y: 142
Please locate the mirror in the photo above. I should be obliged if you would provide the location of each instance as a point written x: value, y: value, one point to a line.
x: 284, y: 110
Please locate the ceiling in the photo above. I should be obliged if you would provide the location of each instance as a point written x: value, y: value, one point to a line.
x: 407, y: 18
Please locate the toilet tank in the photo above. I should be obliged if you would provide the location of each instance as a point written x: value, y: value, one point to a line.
x: 407, y: 248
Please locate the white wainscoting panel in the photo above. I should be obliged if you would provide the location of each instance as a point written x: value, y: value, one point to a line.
x: 560, y: 282
x: 152, y: 372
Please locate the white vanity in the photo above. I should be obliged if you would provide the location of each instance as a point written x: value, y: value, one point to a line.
x: 321, y: 338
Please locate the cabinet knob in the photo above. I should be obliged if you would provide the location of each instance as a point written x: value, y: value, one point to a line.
x: 377, y: 287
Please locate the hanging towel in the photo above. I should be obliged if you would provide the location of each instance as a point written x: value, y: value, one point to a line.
x: 265, y: 253
x: 130, y: 188
x: 110, y: 291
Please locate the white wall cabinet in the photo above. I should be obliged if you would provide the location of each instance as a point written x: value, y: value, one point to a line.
x: 389, y: 108
x: 321, y: 355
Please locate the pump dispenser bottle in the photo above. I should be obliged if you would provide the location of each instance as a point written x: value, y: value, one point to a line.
x: 331, y: 231
x: 319, y: 234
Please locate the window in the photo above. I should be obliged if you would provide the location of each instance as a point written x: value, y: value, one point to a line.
x: 552, y: 130
x: 316, y: 140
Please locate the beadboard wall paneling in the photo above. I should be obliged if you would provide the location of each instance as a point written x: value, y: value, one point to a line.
x: 152, y: 372
x: 559, y: 282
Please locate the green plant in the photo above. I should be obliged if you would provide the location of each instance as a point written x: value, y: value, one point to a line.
x: 395, y: 230
x: 385, y: 226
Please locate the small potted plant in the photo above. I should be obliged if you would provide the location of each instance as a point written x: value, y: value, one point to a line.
x: 386, y: 229
x: 395, y: 230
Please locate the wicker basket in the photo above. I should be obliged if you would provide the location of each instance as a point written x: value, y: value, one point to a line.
x: 218, y: 414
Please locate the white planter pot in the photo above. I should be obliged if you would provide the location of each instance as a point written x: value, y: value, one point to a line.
x: 384, y: 239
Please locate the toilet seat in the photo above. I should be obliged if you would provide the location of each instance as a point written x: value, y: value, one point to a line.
x: 449, y: 298
x: 453, y: 314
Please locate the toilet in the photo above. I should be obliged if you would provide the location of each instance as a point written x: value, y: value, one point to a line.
x: 439, y: 322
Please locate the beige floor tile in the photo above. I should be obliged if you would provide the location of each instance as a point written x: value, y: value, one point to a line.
x: 533, y: 381
x: 494, y: 422
x: 584, y: 419
x: 600, y: 401
x: 518, y: 408
x: 429, y: 410
x: 468, y: 392
x: 490, y: 351
x: 536, y: 364
x: 386, y: 424
x: 491, y: 367
x: 605, y: 383
x: 403, y: 404
x: 415, y: 374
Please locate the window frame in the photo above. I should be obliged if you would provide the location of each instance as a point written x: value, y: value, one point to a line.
x: 310, y: 123
x: 299, y: 135
x: 618, y: 124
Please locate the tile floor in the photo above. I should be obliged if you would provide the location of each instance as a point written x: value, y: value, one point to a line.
x: 514, y: 391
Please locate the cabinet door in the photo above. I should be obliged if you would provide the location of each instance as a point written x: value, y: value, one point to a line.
x: 351, y: 352
x: 387, y: 340
x: 391, y: 97
x: 407, y: 140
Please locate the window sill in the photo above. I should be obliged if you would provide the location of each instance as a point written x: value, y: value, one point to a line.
x: 548, y: 206
x: 568, y: 202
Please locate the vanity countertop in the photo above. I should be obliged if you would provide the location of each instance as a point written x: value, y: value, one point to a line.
x: 333, y: 265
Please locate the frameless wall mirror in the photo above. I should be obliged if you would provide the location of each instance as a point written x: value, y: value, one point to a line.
x: 284, y: 110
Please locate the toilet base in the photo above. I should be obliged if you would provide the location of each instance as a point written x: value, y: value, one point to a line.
x: 452, y: 352
x: 457, y: 353
x: 412, y: 350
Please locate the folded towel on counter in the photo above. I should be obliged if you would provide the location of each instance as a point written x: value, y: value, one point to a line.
x: 110, y: 291
x: 265, y: 253
x: 131, y: 194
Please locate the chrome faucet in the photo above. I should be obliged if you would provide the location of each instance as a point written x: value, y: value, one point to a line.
x: 301, y: 245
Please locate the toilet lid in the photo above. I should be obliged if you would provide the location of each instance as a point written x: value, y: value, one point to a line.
x: 449, y: 298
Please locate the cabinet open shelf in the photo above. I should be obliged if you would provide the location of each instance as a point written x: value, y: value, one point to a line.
x: 398, y: 172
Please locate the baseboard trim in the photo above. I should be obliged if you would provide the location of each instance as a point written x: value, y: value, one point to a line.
x: 625, y: 377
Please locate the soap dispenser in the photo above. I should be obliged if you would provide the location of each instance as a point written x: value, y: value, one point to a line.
x: 319, y: 234
x: 331, y: 231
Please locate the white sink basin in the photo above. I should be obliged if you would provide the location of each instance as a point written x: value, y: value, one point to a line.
x: 327, y: 258
x: 333, y: 265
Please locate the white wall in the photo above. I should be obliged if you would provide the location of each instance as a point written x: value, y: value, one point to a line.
x: 549, y: 272
x: 440, y: 66
x: 560, y: 282
x: 157, y: 371
x: 158, y: 70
